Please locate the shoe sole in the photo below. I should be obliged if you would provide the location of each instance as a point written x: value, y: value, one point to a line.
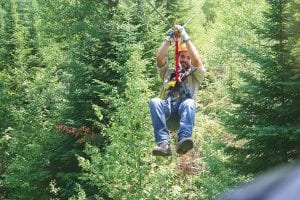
x: 161, y: 153
x: 185, y: 146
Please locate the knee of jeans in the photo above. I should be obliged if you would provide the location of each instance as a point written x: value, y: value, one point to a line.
x: 154, y: 102
x: 187, y: 104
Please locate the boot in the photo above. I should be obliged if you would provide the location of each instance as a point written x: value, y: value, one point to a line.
x: 184, y: 145
x: 163, y: 149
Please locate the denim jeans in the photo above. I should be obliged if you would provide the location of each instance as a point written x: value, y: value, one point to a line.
x: 161, y: 111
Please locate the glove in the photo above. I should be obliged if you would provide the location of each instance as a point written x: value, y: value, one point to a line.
x: 184, y: 36
x: 170, y: 37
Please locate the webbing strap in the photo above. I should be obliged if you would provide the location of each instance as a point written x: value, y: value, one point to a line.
x: 177, y: 60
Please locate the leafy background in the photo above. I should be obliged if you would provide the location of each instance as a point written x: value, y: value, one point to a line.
x: 76, y: 78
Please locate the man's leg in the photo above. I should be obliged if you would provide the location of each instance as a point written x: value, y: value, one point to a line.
x: 187, y: 112
x: 160, y: 111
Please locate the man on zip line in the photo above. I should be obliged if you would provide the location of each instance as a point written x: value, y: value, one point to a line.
x: 178, y: 97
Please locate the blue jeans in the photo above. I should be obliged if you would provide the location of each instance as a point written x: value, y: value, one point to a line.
x: 161, y: 111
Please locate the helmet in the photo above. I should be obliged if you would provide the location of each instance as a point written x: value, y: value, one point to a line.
x: 182, y: 47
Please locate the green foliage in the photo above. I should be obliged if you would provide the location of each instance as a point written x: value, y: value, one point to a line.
x: 8, y: 39
x: 31, y: 117
x: 212, y: 137
x: 31, y: 100
x: 126, y: 169
x: 76, y: 78
x: 294, y: 34
x: 128, y: 153
x: 30, y: 171
x: 264, y: 118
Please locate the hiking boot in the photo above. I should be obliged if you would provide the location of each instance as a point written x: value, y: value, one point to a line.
x: 162, y: 149
x: 184, y: 145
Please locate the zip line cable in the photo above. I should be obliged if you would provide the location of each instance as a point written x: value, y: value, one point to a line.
x: 167, y: 21
x: 161, y: 16
x: 176, y: 41
x: 193, y: 16
x: 190, y: 19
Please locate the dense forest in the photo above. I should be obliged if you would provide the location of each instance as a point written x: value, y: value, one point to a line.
x: 76, y: 78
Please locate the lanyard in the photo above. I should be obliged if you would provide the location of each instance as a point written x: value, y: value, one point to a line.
x: 177, y: 60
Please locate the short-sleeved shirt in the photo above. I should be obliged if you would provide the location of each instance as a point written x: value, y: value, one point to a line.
x: 192, y: 82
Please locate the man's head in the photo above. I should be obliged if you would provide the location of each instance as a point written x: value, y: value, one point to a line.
x: 184, y: 57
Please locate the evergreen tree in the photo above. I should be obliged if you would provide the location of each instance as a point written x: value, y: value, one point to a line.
x: 265, y: 118
x: 30, y: 98
x: 293, y: 28
x: 87, y: 82
x: 127, y: 155
x: 28, y: 53
x: 8, y: 39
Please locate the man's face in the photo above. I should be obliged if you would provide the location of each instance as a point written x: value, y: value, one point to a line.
x: 184, y: 59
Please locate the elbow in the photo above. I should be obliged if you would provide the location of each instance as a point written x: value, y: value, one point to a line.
x: 197, y: 62
x: 160, y: 60
x: 159, y: 57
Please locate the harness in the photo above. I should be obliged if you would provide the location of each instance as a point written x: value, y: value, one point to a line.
x: 176, y: 90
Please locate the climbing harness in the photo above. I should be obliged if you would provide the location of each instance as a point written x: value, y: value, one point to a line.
x: 178, y: 87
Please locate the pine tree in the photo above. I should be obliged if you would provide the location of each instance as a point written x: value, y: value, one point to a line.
x: 31, y: 96
x: 295, y: 34
x: 129, y: 136
x: 265, y: 119
x: 8, y: 34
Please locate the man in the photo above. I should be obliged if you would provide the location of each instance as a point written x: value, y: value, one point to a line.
x: 180, y: 99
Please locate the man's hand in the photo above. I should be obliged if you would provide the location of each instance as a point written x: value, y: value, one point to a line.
x: 170, y: 37
x: 183, y: 34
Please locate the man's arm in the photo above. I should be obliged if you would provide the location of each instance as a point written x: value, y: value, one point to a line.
x: 194, y: 54
x: 162, y: 53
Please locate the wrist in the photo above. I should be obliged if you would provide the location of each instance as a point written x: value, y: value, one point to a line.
x: 170, y: 37
x: 169, y: 42
x: 185, y: 37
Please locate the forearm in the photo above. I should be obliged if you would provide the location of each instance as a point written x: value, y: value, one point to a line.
x: 162, y: 53
x: 194, y: 54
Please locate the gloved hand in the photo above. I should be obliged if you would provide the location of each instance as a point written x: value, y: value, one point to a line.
x: 170, y: 37
x: 183, y: 34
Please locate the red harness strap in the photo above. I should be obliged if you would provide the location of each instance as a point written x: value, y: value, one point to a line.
x: 177, y: 60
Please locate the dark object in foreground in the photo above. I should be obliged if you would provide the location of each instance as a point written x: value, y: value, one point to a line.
x: 282, y: 183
